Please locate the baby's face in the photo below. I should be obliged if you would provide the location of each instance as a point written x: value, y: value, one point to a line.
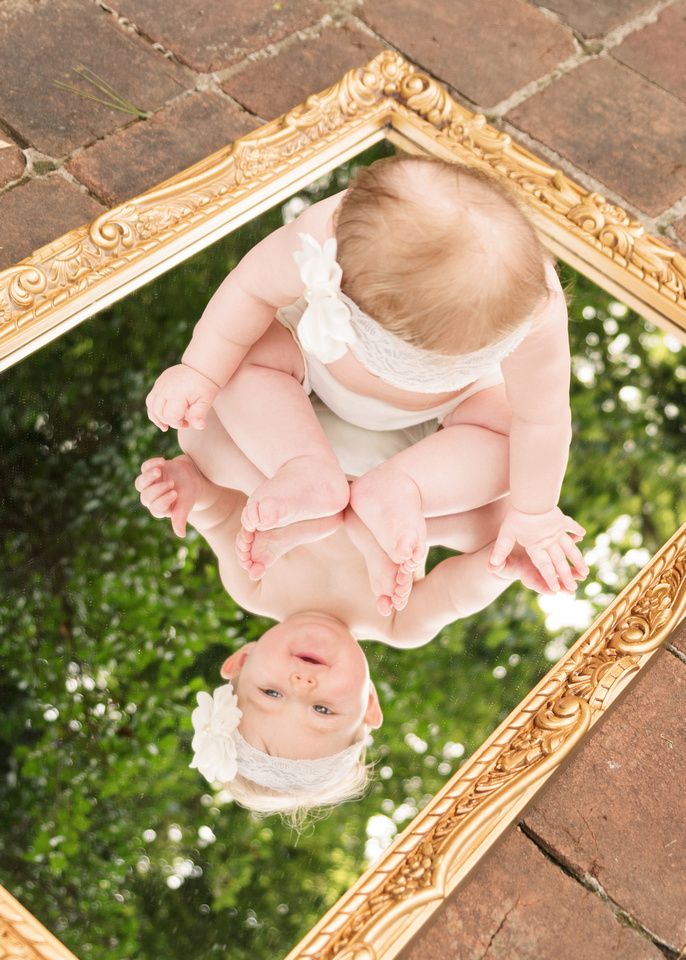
x: 303, y: 688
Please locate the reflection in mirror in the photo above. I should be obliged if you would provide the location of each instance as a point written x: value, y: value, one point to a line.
x: 111, y: 625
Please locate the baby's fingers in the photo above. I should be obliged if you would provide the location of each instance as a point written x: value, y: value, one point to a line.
x: 144, y: 479
x: 571, y: 526
x: 562, y: 567
x: 197, y: 414
x: 156, y: 496
x: 545, y: 567
x: 575, y: 556
x: 174, y: 413
x: 502, y: 549
x: 154, y: 407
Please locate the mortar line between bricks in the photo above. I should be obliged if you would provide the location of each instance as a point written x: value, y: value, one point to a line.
x: 590, y: 883
x: 676, y: 652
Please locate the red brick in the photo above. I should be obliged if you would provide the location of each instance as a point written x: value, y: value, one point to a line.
x: 517, y: 905
x: 485, y: 49
x: 142, y: 155
x: 271, y: 87
x: 64, y: 34
x: 617, y: 811
x: 212, y: 36
x: 37, y: 212
x: 657, y: 51
x: 618, y: 127
x: 12, y: 161
x: 593, y: 18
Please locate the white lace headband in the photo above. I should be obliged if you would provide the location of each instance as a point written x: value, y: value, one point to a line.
x: 332, y: 322
x: 220, y: 752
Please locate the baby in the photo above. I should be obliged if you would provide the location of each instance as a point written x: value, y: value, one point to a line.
x: 442, y: 310
x: 305, y: 700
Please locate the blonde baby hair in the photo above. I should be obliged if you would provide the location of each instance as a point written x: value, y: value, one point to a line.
x: 442, y: 255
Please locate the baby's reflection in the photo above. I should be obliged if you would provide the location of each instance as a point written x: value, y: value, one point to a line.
x: 305, y: 699
x: 461, y: 364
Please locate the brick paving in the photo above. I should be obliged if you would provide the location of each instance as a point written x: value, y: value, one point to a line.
x: 596, y: 87
x: 595, y: 868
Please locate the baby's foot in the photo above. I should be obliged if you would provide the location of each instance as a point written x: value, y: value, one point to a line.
x: 389, y: 504
x: 391, y: 582
x: 259, y: 549
x: 304, y: 488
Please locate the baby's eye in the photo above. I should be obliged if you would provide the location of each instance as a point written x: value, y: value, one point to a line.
x: 320, y: 708
x: 271, y: 693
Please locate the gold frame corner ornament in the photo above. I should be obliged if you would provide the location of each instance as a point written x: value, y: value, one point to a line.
x: 89, y: 268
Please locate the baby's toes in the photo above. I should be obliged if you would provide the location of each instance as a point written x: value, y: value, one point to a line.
x: 256, y: 571
x: 384, y: 605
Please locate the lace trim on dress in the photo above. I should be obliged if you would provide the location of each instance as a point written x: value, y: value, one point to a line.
x: 332, y: 322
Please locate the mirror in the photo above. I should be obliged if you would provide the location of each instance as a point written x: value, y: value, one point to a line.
x: 111, y: 625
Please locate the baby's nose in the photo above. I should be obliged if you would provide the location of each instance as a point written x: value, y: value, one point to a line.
x: 303, y: 679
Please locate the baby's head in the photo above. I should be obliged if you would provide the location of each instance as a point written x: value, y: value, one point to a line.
x: 305, y: 694
x: 440, y: 254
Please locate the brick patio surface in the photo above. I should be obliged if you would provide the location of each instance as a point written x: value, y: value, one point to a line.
x: 597, y: 87
x: 596, y: 867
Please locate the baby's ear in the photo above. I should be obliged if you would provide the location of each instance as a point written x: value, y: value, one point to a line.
x: 232, y: 667
x: 373, y: 717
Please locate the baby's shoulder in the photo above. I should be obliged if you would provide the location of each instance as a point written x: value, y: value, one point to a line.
x: 318, y: 219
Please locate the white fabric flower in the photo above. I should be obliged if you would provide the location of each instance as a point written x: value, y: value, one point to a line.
x: 214, y: 721
x: 324, y: 329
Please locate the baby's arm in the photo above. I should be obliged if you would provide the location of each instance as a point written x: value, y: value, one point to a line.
x: 238, y: 314
x: 537, y: 376
x: 456, y: 588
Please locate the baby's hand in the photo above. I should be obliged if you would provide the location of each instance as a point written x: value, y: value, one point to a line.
x: 549, y: 540
x: 181, y: 397
x: 519, y: 566
x: 169, y: 488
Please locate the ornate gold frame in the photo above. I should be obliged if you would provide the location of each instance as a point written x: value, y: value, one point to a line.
x: 91, y: 267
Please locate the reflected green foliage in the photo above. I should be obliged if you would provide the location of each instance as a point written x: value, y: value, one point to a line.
x: 109, y: 625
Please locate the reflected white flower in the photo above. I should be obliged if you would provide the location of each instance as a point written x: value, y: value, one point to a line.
x: 149, y: 836
x: 444, y: 768
x: 610, y: 327
x: 453, y: 751
x: 499, y: 672
x: 386, y: 773
x: 405, y: 811
x: 206, y: 834
x: 175, y: 834
x: 671, y: 411
x: 71, y: 684
x: 174, y: 882
x: 214, y: 720
x: 637, y: 557
x: 588, y: 313
x: 672, y: 344
x: 51, y: 714
x: 592, y: 589
x: 513, y: 659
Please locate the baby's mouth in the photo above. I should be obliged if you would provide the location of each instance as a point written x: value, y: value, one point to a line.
x: 311, y: 658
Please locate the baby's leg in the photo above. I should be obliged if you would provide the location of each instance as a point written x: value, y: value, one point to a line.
x: 265, y: 410
x: 219, y: 459
x: 462, y: 466
x: 467, y: 532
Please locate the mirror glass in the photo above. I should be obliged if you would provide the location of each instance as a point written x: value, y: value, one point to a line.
x: 111, y: 625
